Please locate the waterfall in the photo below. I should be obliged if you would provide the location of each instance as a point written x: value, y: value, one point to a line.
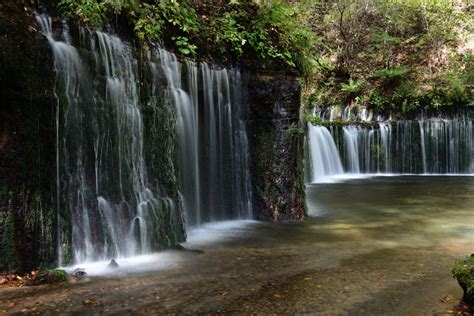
x: 424, y: 146
x: 138, y: 142
x: 351, y: 148
x: 325, y: 160
x: 214, y: 176
x: 114, y: 210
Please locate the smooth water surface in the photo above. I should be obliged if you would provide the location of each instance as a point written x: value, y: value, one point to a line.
x: 403, y: 210
x: 383, y: 245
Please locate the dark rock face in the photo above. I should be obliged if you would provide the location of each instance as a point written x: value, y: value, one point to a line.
x: 27, y: 142
x: 272, y: 104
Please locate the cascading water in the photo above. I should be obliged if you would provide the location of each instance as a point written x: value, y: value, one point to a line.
x: 214, y: 175
x: 325, y: 160
x: 351, y: 148
x: 425, y: 146
x: 117, y: 127
x: 102, y: 175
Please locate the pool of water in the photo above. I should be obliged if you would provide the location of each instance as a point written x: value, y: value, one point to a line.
x: 404, y: 210
x: 381, y: 245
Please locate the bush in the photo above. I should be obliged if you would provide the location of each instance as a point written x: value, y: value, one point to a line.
x: 315, y: 120
x: 390, y: 74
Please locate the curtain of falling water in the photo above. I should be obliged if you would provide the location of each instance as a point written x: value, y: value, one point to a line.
x: 102, y: 175
x: 432, y: 146
x: 115, y: 207
x: 214, y: 173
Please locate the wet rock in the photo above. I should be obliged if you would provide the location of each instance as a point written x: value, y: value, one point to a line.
x: 3, y: 280
x: 177, y: 247
x: 80, y: 273
x: 463, y: 271
x: 181, y: 248
x: 271, y: 103
x: 113, y: 264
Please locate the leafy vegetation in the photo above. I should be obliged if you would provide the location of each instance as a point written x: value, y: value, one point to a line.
x: 315, y: 120
x: 274, y: 32
x: 406, y: 55
x: 463, y: 271
x: 400, y: 55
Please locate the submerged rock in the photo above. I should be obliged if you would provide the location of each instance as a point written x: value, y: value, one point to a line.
x: 113, y: 264
x: 80, y: 273
x: 463, y: 271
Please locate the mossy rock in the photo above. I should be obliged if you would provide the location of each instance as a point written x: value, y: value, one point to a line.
x: 49, y: 276
x: 463, y: 271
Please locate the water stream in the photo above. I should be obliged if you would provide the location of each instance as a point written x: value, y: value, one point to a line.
x: 424, y: 146
x: 141, y: 143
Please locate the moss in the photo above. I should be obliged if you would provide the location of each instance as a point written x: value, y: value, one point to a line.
x: 49, y: 276
x: 463, y: 271
x: 8, y: 258
x: 300, y: 187
x: 3, y: 194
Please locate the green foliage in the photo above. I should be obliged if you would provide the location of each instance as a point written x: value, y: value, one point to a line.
x: 274, y: 31
x: 315, y: 120
x: 278, y: 32
x: 184, y: 46
x: 463, y: 271
x: 390, y: 74
x: 90, y: 12
x: 352, y: 86
x: 155, y: 19
x: 230, y: 32
x: 407, y: 51
x: 46, y: 276
x: 376, y: 101
x: 294, y: 130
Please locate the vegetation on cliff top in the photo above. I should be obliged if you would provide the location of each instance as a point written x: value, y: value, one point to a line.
x: 273, y: 32
x: 399, y: 55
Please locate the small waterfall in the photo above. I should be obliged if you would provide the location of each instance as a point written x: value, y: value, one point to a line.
x: 351, y: 134
x: 384, y: 163
x: 425, y: 146
x: 325, y: 160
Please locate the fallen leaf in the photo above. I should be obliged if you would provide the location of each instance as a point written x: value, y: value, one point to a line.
x: 91, y: 301
x: 308, y: 278
x: 277, y: 295
x: 225, y: 293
